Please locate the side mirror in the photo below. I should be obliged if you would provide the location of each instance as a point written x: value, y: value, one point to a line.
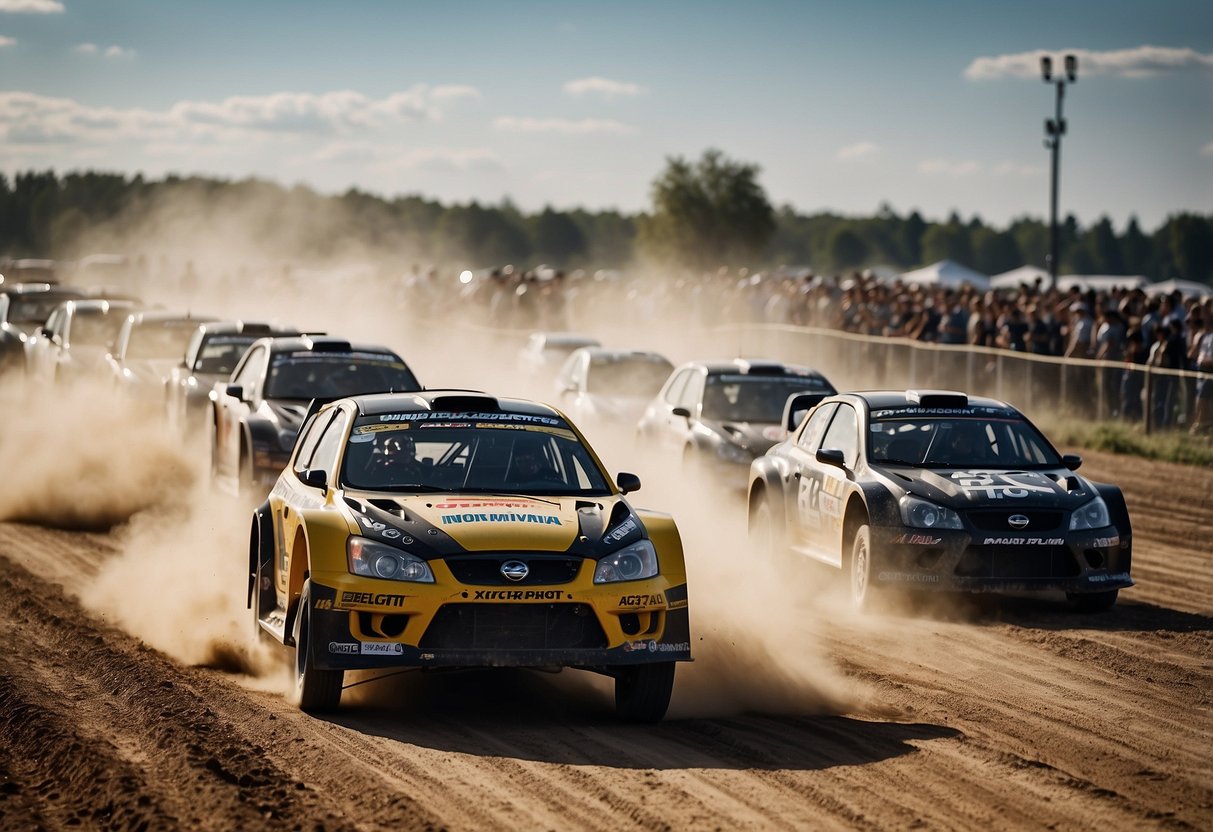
x: 627, y: 482
x: 683, y: 412
x: 316, y: 478
x: 832, y: 456
x: 236, y: 391
x: 1071, y: 461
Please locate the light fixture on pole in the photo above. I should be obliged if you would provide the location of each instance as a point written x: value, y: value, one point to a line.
x: 1055, y: 128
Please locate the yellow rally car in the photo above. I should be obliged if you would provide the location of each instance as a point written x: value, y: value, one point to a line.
x: 447, y: 529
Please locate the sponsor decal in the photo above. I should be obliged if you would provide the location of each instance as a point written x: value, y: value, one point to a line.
x: 1119, y: 576
x: 437, y: 416
x: 640, y: 600
x: 1023, y: 541
x: 378, y: 648
x: 444, y: 425
x: 518, y: 595
x: 918, y: 539
x: 653, y: 646
x: 1106, y: 542
x: 621, y: 531
x: 324, y: 604
x: 678, y: 605
x: 370, y: 524
x: 391, y: 534
x: 908, y: 577
x: 941, y: 411
x: 511, y: 517
x: 372, y: 429
x: 996, y: 486
x: 342, y: 647
x: 463, y: 504
x: 373, y: 599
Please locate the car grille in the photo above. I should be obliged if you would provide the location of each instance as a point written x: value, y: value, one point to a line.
x: 1039, y: 520
x: 485, y: 570
x: 514, y: 627
x: 1017, y: 562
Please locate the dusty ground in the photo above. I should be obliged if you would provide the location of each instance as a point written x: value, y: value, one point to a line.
x: 1010, y: 713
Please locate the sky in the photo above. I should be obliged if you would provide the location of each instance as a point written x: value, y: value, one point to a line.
x: 928, y: 105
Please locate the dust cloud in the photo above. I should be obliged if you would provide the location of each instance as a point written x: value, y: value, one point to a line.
x: 760, y: 642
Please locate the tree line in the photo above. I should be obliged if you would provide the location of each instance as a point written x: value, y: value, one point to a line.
x: 704, y: 213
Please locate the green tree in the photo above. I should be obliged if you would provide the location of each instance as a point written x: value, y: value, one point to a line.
x: 558, y: 238
x: 709, y: 212
x: 1136, y: 250
x: 1190, y: 239
x: 847, y: 249
x: 947, y: 242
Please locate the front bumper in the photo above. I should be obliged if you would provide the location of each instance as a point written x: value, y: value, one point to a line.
x: 360, y: 623
x: 976, y: 561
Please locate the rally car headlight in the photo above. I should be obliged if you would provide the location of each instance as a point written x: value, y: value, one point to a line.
x: 377, y: 560
x: 631, y: 563
x: 1093, y: 515
x: 922, y: 514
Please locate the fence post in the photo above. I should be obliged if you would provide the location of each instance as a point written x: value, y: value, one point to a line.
x: 1148, y: 404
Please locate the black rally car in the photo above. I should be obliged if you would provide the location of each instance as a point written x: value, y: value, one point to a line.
x: 937, y: 490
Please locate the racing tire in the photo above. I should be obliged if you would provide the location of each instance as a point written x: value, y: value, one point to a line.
x: 766, y: 537
x: 1093, y: 601
x: 642, y: 692
x: 318, y: 691
x: 864, y: 593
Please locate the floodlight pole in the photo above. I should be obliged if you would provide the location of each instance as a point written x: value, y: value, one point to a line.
x: 1055, y: 128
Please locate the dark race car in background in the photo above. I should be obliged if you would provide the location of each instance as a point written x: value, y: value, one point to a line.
x: 450, y: 529
x: 717, y: 416
x: 257, y: 414
x: 213, y: 351
x: 936, y: 490
x: 24, y: 307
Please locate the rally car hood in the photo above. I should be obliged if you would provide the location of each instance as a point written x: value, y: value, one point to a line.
x: 975, y: 487
x: 288, y: 412
x: 487, y: 522
x: 756, y: 437
x: 150, y: 370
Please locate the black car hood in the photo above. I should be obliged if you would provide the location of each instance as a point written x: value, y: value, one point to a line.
x: 289, y: 412
x: 963, y: 488
x: 756, y: 437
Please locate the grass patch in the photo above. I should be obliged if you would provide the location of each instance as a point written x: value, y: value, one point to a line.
x: 1119, y: 438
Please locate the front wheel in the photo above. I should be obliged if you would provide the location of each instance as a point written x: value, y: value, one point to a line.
x: 642, y: 693
x: 1093, y: 601
x: 316, y: 690
x: 863, y: 591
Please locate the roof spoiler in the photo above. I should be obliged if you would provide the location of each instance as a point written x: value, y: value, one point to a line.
x: 937, y: 398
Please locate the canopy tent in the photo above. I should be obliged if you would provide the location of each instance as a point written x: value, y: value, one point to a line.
x: 1188, y: 288
x: 946, y: 273
x: 1023, y: 275
x: 1101, y: 282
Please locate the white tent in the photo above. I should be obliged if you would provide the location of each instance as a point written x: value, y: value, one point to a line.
x: 1100, y: 282
x: 1187, y: 287
x: 1023, y: 275
x: 946, y: 273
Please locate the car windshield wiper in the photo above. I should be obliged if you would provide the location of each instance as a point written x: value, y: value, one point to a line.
x: 513, y: 494
x: 409, y: 487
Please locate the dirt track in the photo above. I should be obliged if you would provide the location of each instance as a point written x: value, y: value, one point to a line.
x: 1006, y: 714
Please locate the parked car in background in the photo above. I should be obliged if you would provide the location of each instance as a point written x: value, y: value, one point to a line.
x: 257, y: 413
x: 937, y: 490
x: 719, y: 415
x: 604, y: 386
x: 213, y: 351
x: 76, y: 339
x: 149, y: 346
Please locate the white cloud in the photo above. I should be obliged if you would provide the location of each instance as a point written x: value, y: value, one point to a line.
x: 85, y: 49
x: 1008, y: 168
x: 31, y: 118
x: 1207, y: 150
x: 31, y: 6
x: 1139, y: 62
x: 6, y: 41
x: 513, y: 124
x: 604, y: 87
x: 945, y: 167
x: 119, y: 52
x: 454, y: 92
x: 857, y: 151
x: 385, y: 158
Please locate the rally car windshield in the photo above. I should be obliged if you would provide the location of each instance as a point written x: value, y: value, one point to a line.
x: 640, y: 377
x: 309, y: 375
x: 481, y: 453
x: 96, y: 329
x: 159, y: 340
x: 221, y: 353
x: 749, y: 398
x: 959, y: 443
